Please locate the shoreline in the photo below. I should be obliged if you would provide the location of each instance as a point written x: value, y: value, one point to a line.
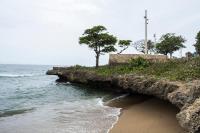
x: 145, y: 114
x: 183, y: 95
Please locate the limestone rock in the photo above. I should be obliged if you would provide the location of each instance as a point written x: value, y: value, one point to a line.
x: 186, y: 96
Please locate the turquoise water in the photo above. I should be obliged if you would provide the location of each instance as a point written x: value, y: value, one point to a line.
x: 32, y: 102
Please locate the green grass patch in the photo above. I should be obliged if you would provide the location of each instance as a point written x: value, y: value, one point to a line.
x: 175, y: 69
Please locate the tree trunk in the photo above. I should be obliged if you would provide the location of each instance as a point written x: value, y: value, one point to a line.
x: 122, y: 50
x: 97, y: 60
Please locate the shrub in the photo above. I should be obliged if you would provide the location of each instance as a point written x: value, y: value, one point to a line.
x: 139, y: 62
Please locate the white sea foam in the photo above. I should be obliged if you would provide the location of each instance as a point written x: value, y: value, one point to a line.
x: 116, y: 98
x: 16, y: 75
x: 117, y: 110
x: 117, y: 118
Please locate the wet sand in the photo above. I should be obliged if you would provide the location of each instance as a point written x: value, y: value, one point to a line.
x: 141, y: 114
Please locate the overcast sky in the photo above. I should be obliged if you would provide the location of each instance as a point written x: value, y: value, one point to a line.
x: 47, y: 31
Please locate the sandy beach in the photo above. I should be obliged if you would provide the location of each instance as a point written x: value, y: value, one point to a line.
x: 142, y: 114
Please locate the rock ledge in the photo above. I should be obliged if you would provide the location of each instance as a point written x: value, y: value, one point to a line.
x: 186, y: 96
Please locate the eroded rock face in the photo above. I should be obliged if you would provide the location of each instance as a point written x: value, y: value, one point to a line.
x: 189, y: 117
x: 186, y: 96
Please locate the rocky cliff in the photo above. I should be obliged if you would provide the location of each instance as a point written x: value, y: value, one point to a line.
x: 186, y: 96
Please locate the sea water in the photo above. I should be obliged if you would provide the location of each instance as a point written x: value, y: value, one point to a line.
x: 32, y: 102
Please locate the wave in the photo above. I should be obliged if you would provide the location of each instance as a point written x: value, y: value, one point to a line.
x: 116, y: 112
x: 91, y: 110
x: 14, y: 112
x: 116, y: 98
x: 17, y: 75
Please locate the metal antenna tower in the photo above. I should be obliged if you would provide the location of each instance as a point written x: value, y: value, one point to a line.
x: 146, y: 23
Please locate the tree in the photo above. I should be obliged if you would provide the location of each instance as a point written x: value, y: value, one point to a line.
x: 197, y: 44
x: 124, y: 44
x: 150, y: 47
x: 140, y: 46
x: 169, y: 43
x: 189, y: 55
x: 99, y: 40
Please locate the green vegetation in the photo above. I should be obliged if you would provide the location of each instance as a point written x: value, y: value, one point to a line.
x: 98, y: 39
x: 139, y: 63
x: 124, y: 44
x: 140, y: 46
x: 169, y: 43
x: 197, y: 44
x: 174, y: 70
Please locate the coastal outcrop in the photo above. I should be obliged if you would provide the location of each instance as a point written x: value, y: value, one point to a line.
x: 184, y: 95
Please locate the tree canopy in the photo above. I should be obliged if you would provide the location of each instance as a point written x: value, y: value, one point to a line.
x: 140, y: 46
x: 124, y: 44
x: 169, y: 43
x: 99, y: 40
x: 197, y: 44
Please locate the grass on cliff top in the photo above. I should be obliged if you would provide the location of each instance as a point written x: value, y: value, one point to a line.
x: 174, y: 69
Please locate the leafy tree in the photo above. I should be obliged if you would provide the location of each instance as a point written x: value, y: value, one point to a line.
x: 140, y: 46
x: 197, y: 44
x: 169, y: 43
x: 150, y: 46
x: 99, y: 40
x: 124, y: 44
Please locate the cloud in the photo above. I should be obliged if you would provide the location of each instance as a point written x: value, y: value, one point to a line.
x: 47, y: 31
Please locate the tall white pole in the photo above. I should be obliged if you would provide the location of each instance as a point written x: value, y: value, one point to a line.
x: 146, y: 22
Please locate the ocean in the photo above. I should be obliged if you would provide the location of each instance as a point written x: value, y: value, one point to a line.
x: 32, y: 102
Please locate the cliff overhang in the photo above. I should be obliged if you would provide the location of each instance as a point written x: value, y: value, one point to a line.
x: 184, y: 95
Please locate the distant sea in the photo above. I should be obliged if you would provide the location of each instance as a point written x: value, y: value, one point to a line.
x: 32, y: 102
